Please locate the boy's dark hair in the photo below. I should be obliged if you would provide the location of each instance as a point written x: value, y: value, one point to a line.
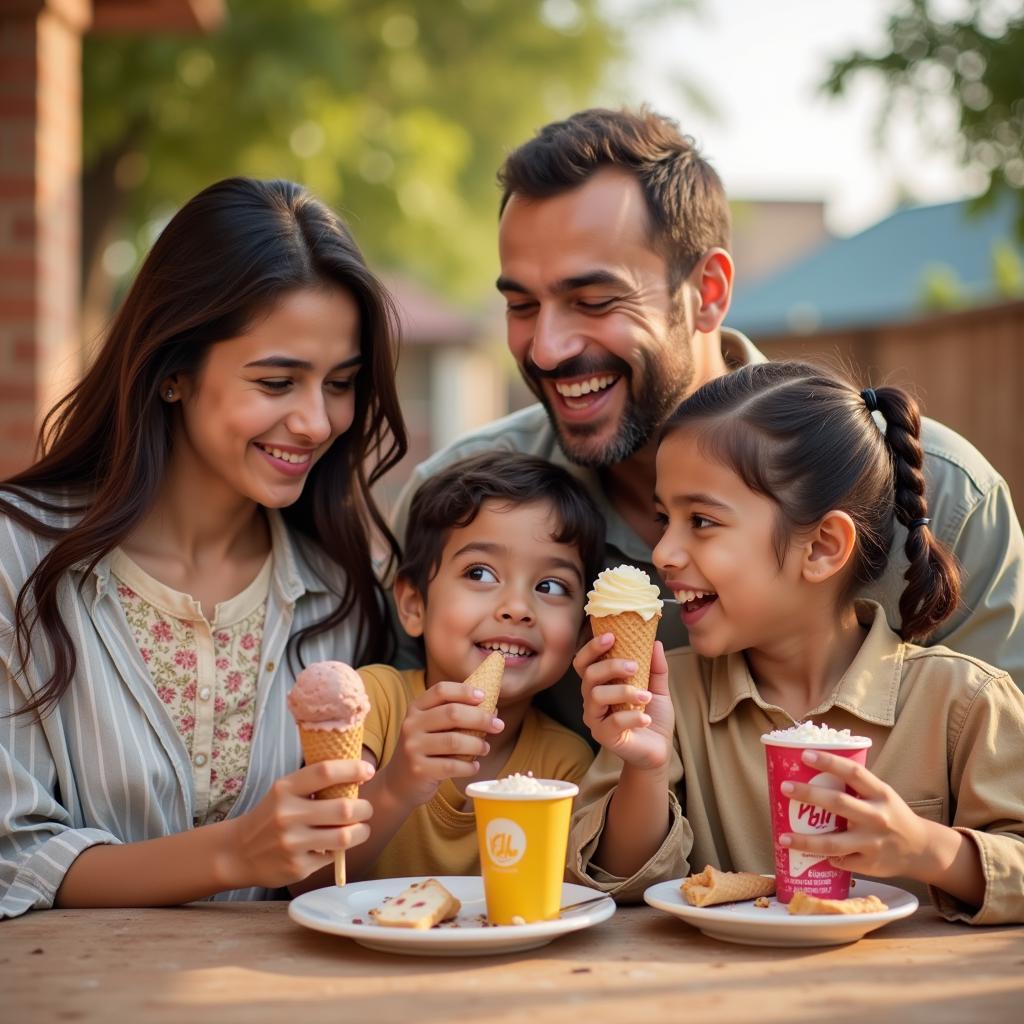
x: 685, y: 198
x: 807, y: 440
x: 453, y: 498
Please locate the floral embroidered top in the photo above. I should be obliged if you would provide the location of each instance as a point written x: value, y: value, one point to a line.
x: 205, y: 674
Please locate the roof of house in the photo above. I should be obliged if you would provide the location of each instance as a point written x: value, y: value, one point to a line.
x: 427, y: 318
x: 879, y: 275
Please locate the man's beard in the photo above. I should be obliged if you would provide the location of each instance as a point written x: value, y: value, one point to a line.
x: 662, y: 384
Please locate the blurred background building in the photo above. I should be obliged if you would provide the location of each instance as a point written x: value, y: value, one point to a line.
x: 874, y: 158
x: 928, y: 298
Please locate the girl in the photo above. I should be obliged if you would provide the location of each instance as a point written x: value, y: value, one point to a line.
x: 197, y: 528
x: 778, y: 495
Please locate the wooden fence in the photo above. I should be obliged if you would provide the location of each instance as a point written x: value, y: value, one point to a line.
x: 966, y: 369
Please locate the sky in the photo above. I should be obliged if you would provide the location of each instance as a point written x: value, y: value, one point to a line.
x: 774, y: 135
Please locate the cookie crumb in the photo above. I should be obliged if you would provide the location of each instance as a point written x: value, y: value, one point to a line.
x: 762, y: 902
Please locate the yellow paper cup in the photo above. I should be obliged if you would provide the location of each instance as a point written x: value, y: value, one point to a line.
x: 522, y: 838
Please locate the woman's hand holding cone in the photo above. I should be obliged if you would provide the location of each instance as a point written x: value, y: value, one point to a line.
x: 287, y: 836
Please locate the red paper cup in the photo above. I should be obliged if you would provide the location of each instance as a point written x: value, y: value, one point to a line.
x: 795, y: 869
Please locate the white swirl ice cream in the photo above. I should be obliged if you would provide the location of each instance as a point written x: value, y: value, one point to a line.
x: 623, y: 589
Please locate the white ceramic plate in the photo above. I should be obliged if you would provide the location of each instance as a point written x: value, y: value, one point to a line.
x: 774, y: 925
x: 335, y: 910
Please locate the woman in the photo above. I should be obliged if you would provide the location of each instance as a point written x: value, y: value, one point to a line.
x: 198, y: 527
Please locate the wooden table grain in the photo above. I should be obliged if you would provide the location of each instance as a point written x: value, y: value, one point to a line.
x: 249, y: 962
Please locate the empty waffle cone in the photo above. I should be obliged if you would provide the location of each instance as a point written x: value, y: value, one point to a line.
x: 487, y: 677
x: 634, y: 640
x: 332, y: 744
x: 802, y: 903
x: 712, y: 886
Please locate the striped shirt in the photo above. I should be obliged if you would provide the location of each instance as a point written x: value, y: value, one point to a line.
x: 107, y: 765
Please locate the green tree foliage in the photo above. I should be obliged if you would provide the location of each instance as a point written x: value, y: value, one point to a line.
x: 396, y: 112
x: 1007, y: 270
x: 940, y: 289
x: 977, y: 61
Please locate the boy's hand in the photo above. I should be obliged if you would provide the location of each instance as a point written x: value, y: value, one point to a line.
x: 641, y: 738
x: 883, y: 836
x: 430, y: 738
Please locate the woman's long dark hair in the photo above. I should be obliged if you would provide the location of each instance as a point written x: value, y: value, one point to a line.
x: 225, y: 258
x: 808, y: 441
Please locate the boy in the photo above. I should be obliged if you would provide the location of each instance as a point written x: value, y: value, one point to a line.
x: 499, y: 552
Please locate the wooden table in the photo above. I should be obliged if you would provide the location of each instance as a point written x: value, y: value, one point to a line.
x: 249, y: 962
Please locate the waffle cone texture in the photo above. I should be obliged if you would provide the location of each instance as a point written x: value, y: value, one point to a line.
x: 331, y: 744
x: 712, y: 886
x: 487, y: 677
x: 634, y: 640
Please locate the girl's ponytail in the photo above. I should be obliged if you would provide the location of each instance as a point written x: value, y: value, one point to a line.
x: 806, y: 438
x: 933, y: 578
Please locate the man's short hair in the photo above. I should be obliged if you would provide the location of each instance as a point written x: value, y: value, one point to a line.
x: 453, y: 498
x: 685, y: 198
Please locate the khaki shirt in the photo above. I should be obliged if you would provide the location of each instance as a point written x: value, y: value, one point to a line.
x: 968, y: 502
x: 947, y: 734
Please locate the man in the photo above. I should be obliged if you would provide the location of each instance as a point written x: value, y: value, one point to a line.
x: 614, y: 255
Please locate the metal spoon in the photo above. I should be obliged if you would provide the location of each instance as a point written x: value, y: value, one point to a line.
x: 584, y: 903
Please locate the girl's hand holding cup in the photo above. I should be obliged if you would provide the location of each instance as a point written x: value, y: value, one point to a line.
x: 642, y: 738
x: 883, y: 836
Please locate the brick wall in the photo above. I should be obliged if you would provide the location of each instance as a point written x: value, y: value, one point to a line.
x: 40, y: 167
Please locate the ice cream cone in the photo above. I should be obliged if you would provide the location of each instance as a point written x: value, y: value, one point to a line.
x: 330, y: 705
x: 712, y: 886
x: 327, y: 745
x: 333, y: 744
x: 634, y: 640
x: 487, y: 677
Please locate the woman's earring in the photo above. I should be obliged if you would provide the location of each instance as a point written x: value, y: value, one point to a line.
x: 170, y: 394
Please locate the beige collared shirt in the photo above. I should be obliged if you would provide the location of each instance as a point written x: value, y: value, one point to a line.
x: 947, y: 734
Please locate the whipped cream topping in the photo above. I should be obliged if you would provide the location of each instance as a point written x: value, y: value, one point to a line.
x: 808, y: 732
x: 519, y: 783
x: 624, y: 589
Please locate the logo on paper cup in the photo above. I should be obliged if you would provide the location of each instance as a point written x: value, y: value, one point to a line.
x: 506, y: 842
x: 808, y: 820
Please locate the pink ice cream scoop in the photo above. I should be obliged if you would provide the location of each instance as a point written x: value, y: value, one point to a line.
x: 329, y: 696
